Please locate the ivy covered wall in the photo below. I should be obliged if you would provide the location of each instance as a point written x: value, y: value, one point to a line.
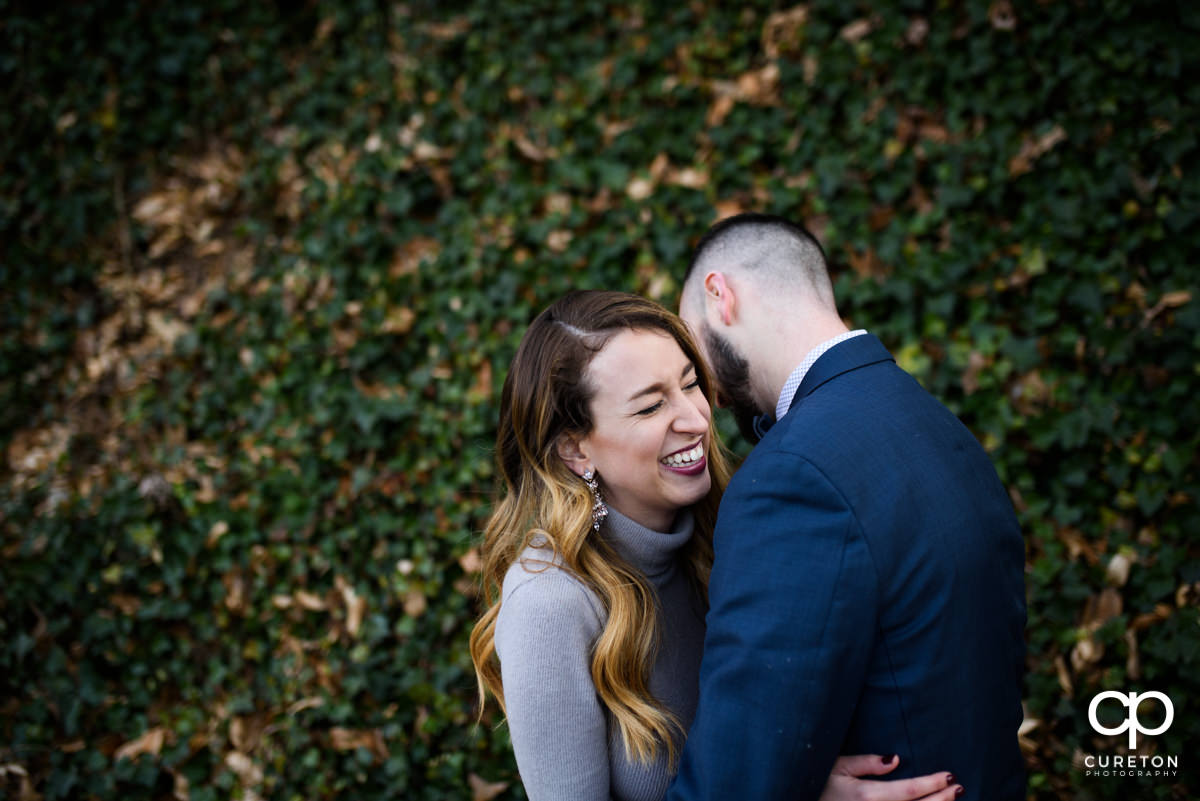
x: 263, y: 268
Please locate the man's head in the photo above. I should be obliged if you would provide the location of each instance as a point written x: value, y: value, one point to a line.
x: 757, y: 296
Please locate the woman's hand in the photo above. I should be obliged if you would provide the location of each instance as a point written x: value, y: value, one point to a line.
x: 845, y: 785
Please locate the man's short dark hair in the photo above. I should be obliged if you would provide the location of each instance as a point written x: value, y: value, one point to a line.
x: 773, y: 247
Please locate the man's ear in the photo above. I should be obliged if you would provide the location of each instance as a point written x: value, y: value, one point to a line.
x: 571, y: 450
x: 718, y: 295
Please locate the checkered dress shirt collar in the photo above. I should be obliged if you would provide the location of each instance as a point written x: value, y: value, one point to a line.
x: 797, y: 376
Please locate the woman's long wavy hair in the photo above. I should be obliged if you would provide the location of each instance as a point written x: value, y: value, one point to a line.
x: 546, y: 396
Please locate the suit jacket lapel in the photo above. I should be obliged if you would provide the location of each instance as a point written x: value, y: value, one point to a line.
x: 852, y: 354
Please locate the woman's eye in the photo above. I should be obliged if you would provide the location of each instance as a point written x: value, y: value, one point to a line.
x: 650, y: 409
x: 693, y: 385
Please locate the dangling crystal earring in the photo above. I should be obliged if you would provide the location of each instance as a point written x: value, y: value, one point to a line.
x: 599, y: 510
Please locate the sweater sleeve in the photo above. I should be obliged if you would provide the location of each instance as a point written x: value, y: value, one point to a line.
x: 544, y: 636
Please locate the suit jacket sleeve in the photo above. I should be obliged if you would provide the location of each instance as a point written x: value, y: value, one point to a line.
x: 790, y: 630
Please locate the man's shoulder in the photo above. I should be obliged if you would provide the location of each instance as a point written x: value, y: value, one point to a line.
x: 782, y: 468
x: 852, y: 409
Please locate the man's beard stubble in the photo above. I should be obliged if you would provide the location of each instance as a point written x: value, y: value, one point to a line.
x: 732, y: 374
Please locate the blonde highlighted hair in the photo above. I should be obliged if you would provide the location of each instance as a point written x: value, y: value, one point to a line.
x: 546, y: 396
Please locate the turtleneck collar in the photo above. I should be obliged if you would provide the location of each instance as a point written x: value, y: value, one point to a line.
x: 652, y: 552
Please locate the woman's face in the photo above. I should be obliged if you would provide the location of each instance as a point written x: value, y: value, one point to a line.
x: 649, y: 439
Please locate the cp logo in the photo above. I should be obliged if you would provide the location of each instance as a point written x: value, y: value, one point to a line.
x: 1132, y: 724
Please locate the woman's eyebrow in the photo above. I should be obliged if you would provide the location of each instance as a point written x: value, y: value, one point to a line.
x: 657, y: 387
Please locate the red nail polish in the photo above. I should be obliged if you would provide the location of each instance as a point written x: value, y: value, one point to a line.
x: 889, y: 760
x: 949, y: 779
x: 958, y: 792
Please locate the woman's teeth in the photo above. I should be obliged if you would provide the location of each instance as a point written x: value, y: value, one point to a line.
x: 685, y: 458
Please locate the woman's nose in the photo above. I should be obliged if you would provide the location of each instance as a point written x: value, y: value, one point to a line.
x: 693, y: 415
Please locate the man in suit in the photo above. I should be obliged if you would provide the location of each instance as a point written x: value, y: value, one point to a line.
x: 867, y: 594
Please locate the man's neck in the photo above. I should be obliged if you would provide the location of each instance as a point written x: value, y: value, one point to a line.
x: 782, y: 355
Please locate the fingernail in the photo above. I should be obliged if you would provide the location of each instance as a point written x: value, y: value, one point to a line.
x: 949, y: 779
x: 958, y: 792
x: 889, y: 760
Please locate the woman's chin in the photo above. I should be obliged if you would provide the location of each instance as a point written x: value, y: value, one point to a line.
x: 694, y: 491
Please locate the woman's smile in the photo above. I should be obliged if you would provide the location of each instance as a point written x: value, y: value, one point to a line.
x: 689, y: 461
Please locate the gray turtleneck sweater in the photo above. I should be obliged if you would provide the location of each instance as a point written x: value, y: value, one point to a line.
x: 566, y: 743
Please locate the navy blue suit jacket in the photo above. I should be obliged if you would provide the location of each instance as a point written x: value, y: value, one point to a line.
x: 867, y: 596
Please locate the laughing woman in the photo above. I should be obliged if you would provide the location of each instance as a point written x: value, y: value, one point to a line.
x: 596, y: 558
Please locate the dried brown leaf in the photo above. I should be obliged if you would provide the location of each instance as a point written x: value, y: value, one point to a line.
x: 759, y: 87
x: 25, y: 791
x: 639, y: 188
x: 1117, y: 572
x: 717, y: 112
x: 180, y: 789
x: 1077, y: 545
x: 1087, y: 651
x: 659, y: 167
x: 305, y: 703
x: 324, y: 29
x: 1064, y: 676
x: 811, y: 66
x: 235, y: 591
x: 219, y: 529
x: 356, y: 605
x: 409, y: 256
x: 151, y: 742
x: 399, y: 320
x: 1002, y: 16
x: 128, y: 604
x: 482, y: 388
x: 976, y: 362
x: 449, y: 29
x: 1170, y: 300
x: 559, y: 239
x: 611, y: 129
x: 1109, y: 604
x: 1133, y: 662
x: 918, y: 29
x: 532, y: 151
x: 1033, y: 148
x: 244, y: 768
x: 783, y: 31
x: 867, y: 263
x: 727, y: 208
x: 166, y: 329
x: 557, y: 203
x: 688, y: 177
x: 483, y: 790
x: 425, y: 152
x: 1175, y: 299
x: 1102, y: 608
x: 1030, y: 393
x: 471, y: 562
x: 857, y: 30
x: 415, y: 603
x: 310, y: 601
x: 343, y: 739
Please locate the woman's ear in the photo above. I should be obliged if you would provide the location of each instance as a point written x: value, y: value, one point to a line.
x: 571, y: 451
